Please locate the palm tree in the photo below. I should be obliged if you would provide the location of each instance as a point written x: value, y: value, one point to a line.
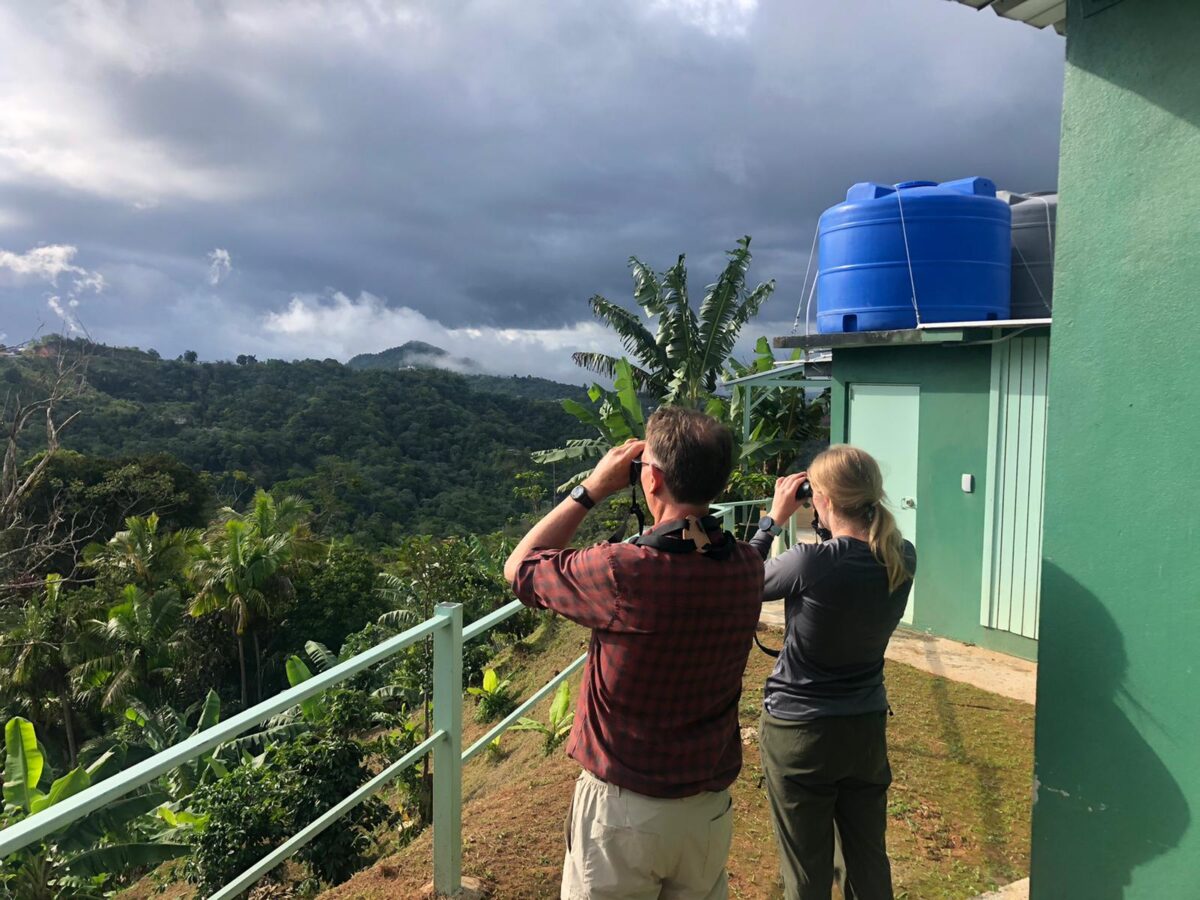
x: 682, y: 361
x: 143, y: 637
x: 142, y: 555
x: 141, y: 634
x: 39, y: 652
x: 244, y: 569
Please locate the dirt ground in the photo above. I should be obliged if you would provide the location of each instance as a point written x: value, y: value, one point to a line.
x: 959, y: 807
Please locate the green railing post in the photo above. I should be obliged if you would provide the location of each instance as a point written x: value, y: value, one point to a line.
x: 447, y: 753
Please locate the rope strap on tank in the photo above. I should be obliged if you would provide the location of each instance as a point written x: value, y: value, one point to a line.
x: 908, y: 255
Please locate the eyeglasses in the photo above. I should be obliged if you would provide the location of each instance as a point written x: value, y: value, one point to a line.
x: 635, y: 469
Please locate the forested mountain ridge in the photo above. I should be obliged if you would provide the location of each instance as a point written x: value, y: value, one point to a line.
x: 380, y: 453
x: 419, y: 355
x: 412, y: 354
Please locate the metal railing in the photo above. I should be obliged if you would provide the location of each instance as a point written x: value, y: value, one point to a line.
x: 445, y: 743
x: 741, y: 517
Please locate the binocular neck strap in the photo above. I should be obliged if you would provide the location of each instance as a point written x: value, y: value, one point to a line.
x: 635, y: 511
x: 823, y: 533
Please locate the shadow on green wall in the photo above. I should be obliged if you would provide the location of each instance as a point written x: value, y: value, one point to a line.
x: 1094, y: 821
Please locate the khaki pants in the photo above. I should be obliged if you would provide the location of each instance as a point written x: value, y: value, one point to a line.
x: 629, y: 846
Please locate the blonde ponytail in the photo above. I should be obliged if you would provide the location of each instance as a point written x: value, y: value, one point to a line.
x: 888, y: 546
x: 851, y: 479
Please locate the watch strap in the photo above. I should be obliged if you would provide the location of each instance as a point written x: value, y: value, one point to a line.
x: 767, y: 524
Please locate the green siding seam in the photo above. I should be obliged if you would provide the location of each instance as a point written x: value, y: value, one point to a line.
x: 990, y: 477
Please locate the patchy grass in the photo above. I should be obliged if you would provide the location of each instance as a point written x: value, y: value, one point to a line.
x: 959, y: 808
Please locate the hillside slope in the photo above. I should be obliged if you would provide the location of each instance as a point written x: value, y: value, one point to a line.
x: 959, y: 807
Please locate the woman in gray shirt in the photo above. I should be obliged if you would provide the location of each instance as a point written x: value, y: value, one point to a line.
x: 823, y: 726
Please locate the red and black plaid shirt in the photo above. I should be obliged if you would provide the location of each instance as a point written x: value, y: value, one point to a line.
x: 658, y: 709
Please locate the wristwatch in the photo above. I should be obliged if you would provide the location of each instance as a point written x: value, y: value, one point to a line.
x: 767, y: 524
x: 580, y: 495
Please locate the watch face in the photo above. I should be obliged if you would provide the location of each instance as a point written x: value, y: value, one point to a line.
x: 766, y: 523
x: 577, y: 492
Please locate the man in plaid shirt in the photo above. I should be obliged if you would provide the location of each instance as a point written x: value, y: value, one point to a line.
x: 656, y: 727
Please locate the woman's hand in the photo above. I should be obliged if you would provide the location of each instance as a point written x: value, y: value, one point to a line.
x: 785, y: 504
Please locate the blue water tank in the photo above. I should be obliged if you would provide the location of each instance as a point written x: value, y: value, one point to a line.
x: 958, y: 242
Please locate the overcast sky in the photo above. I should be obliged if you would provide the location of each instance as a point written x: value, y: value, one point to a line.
x: 322, y: 179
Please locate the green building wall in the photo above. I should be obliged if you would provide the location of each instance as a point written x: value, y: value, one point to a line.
x: 1118, y: 719
x: 953, y: 438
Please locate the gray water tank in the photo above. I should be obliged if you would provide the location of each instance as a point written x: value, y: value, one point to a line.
x: 1034, y: 221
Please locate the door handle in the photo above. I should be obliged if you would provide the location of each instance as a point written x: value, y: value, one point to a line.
x: 908, y: 502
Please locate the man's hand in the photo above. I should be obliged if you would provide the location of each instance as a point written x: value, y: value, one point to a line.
x: 785, y: 504
x: 558, y: 527
x: 612, y: 472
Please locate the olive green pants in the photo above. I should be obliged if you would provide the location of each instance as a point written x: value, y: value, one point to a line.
x: 827, y: 782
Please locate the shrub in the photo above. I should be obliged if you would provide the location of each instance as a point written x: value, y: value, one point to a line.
x: 495, y: 698
x: 260, y: 804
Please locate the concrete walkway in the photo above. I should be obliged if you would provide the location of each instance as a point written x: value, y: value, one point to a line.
x: 1008, y: 676
x: 1018, y: 890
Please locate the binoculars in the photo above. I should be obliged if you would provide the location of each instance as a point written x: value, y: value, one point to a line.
x: 804, y: 492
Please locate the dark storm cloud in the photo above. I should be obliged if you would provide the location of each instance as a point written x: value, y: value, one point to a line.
x: 466, y: 171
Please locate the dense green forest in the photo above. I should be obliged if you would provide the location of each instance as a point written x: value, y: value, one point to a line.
x: 149, y: 588
x: 166, y: 631
x: 380, y: 453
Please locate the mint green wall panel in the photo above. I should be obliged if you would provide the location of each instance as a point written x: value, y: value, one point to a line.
x: 1015, y: 486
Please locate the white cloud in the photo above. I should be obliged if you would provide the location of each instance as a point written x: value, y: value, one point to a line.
x: 48, y: 264
x: 70, y: 320
x: 219, y: 266
x: 339, y: 326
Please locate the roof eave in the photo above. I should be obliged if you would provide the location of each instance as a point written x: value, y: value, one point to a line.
x: 1038, y: 13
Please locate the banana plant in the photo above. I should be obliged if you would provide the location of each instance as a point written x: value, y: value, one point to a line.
x: 681, y: 361
x: 786, y: 420
x: 616, y: 415
x: 163, y: 727
x: 82, y: 859
x: 557, y: 726
x: 495, y: 697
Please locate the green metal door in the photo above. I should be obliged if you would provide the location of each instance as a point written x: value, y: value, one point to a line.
x: 884, y: 420
x: 1012, y: 568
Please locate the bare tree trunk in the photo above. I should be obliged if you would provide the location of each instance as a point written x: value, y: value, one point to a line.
x: 27, y: 542
x: 241, y: 642
x: 258, y: 692
x: 69, y: 726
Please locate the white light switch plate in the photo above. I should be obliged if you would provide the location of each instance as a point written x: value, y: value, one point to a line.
x: 968, y: 484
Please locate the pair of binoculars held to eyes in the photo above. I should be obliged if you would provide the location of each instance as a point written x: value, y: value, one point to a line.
x: 803, y: 493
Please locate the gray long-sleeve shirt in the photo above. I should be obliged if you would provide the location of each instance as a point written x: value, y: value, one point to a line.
x: 839, y: 617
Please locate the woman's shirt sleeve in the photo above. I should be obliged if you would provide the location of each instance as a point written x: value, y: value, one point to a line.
x: 784, y: 577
